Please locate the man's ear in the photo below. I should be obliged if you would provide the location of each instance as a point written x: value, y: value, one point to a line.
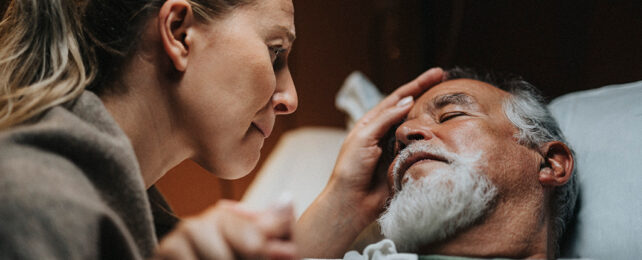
x: 175, y: 19
x: 557, y: 167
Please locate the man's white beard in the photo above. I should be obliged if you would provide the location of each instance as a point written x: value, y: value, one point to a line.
x: 438, y: 205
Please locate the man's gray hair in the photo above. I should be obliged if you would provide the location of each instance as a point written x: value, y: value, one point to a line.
x: 527, y: 111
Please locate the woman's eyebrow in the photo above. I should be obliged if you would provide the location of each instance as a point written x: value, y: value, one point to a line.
x: 461, y: 99
x: 291, y: 35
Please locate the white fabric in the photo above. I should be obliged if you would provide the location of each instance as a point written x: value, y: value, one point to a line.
x: 604, y: 126
x: 382, y: 250
x: 356, y: 97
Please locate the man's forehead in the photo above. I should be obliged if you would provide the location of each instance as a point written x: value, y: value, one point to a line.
x: 463, y: 90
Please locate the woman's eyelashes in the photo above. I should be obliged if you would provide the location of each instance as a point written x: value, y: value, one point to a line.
x: 277, y: 56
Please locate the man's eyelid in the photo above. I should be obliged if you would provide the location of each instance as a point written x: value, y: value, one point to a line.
x: 445, y: 116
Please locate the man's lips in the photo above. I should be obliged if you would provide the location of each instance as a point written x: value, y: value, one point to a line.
x: 415, y: 158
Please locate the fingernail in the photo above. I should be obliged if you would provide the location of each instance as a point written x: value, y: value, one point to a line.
x: 404, y: 101
x: 434, y: 69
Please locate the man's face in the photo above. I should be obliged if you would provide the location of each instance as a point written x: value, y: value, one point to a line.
x: 464, y: 117
x: 456, y: 154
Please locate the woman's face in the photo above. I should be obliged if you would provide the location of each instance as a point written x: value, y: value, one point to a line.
x: 235, y: 83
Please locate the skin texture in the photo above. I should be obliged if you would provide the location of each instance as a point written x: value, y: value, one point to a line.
x: 211, y: 92
x: 519, y: 224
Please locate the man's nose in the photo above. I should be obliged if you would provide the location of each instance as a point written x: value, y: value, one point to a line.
x: 285, y: 100
x: 413, y: 130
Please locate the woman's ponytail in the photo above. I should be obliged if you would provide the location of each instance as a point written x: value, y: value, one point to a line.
x: 43, y: 58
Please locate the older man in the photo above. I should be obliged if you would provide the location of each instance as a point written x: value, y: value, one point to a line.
x: 482, y: 170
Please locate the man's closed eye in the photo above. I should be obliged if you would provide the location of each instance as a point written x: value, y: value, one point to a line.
x: 450, y: 115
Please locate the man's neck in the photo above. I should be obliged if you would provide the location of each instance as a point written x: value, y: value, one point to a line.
x: 508, y: 231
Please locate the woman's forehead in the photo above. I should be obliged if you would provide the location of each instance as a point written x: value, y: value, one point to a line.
x: 275, y: 9
x: 275, y: 15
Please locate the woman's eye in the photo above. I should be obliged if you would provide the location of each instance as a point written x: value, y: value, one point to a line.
x: 276, y: 56
x: 447, y: 116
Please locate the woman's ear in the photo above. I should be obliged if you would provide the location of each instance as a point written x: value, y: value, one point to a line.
x: 175, y: 19
x: 557, y: 167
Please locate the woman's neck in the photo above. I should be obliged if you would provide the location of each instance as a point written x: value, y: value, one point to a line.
x: 144, y: 113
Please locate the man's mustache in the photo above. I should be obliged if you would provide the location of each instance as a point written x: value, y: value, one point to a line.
x: 417, y: 151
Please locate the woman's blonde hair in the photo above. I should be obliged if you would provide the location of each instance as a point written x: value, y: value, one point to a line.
x: 52, y: 50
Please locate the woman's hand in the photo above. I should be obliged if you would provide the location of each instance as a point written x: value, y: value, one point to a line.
x: 356, y: 192
x: 228, y: 231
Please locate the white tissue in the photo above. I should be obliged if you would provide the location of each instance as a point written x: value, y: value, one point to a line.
x: 382, y: 250
x: 356, y: 97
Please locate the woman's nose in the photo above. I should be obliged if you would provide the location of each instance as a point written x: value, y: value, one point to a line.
x: 413, y: 130
x: 285, y: 100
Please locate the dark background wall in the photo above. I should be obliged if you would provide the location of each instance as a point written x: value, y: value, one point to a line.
x: 560, y: 46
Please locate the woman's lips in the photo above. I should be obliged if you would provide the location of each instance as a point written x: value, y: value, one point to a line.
x: 264, y: 128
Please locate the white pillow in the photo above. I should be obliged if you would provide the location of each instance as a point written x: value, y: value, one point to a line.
x: 604, y: 127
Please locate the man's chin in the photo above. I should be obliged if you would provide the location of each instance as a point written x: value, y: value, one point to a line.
x: 435, y: 207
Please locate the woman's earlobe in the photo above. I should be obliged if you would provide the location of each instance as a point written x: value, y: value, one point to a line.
x: 175, y: 21
x: 557, y: 168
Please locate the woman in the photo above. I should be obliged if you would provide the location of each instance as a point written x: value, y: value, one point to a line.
x: 100, y: 98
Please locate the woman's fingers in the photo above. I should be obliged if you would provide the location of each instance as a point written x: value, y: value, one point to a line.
x: 176, y: 246
x: 278, y: 221
x: 413, y: 88
x: 251, y: 235
x: 395, y: 107
x: 377, y: 126
x: 194, y: 238
x: 228, y: 231
x: 280, y: 250
x: 420, y: 84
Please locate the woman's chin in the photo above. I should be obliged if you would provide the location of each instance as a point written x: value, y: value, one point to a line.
x: 234, y: 175
x: 234, y: 169
x: 231, y: 164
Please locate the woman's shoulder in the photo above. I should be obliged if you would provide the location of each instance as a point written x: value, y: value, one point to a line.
x: 77, y: 145
x: 27, y: 163
x: 50, y: 209
x: 80, y: 136
x: 38, y: 168
x: 44, y: 199
x: 67, y: 180
x: 69, y: 154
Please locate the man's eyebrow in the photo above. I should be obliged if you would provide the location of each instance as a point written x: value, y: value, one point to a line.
x: 461, y: 99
